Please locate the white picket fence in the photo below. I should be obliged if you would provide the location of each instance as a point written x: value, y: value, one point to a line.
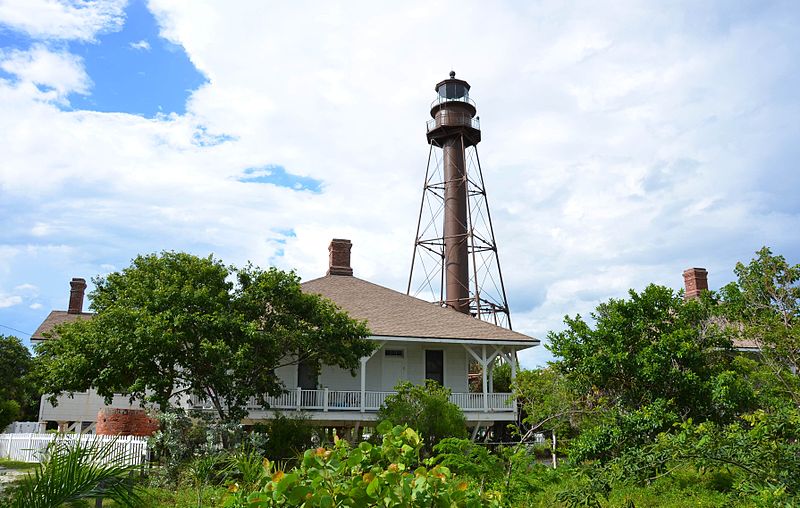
x: 31, y: 447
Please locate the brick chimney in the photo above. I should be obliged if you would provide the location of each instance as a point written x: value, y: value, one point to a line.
x: 695, y: 281
x: 77, y: 288
x: 339, y: 259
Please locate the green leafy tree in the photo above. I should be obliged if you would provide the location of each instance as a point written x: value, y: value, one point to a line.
x: 174, y: 325
x: 547, y: 401
x: 650, y: 347
x: 763, y: 308
x: 428, y: 408
x: 19, y: 398
x: 501, y: 376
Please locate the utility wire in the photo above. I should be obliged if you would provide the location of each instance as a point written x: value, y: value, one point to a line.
x: 19, y: 331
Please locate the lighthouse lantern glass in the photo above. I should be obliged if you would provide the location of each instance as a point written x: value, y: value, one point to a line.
x: 453, y: 90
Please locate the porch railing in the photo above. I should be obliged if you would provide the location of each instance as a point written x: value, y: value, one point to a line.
x: 351, y: 400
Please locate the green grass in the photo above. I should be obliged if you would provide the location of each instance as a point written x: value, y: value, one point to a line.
x: 16, y: 464
x: 682, y: 489
x: 183, y: 497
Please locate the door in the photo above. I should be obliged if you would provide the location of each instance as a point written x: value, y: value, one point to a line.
x: 434, y: 365
x: 307, y: 375
x: 394, y: 368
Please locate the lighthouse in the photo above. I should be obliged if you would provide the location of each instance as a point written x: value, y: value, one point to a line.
x: 455, y: 261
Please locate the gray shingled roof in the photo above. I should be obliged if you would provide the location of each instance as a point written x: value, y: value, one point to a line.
x: 56, y: 317
x: 393, y: 314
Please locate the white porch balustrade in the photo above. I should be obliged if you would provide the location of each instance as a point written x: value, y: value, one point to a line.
x: 351, y: 400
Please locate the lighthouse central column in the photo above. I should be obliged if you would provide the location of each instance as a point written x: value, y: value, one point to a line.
x: 455, y: 226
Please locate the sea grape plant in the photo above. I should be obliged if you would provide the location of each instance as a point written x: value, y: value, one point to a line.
x: 390, y: 474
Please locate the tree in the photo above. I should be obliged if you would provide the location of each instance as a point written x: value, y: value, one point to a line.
x: 18, y: 395
x: 653, y: 346
x: 174, y: 325
x: 428, y: 408
x: 763, y: 308
x: 546, y: 400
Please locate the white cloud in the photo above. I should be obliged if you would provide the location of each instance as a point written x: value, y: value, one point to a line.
x: 26, y: 288
x: 63, y: 19
x: 9, y: 300
x: 41, y: 229
x: 620, y: 145
x: 141, y: 45
x: 35, y: 306
x: 59, y: 73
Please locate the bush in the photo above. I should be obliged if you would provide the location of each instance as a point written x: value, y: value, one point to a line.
x: 622, y: 430
x: 428, y: 409
x: 465, y: 458
x: 177, y: 441
x: 286, y: 437
x: 391, y: 474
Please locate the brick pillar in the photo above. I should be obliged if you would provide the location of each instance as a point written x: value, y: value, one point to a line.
x: 125, y: 422
x: 695, y: 281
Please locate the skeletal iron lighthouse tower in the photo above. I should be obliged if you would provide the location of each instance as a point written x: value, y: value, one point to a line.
x: 455, y: 259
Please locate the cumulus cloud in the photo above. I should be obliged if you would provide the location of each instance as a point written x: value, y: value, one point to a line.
x: 9, y: 300
x: 620, y: 145
x: 63, y: 19
x: 58, y: 73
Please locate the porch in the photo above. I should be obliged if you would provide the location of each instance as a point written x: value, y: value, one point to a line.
x: 370, y: 401
x: 352, y: 400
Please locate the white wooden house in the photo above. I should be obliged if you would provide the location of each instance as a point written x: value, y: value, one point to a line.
x: 417, y: 340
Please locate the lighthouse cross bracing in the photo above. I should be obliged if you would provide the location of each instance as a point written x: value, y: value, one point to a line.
x: 455, y: 261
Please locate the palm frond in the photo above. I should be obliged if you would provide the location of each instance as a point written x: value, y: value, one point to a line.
x: 72, y: 470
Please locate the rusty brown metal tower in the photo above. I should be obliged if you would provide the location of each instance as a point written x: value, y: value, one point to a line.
x: 455, y: 260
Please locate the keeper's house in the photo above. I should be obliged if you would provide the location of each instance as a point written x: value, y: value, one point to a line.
x: 417, y: 340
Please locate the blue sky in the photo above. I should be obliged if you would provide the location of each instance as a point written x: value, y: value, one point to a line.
x: 132, y: 69
x: 622, y: 141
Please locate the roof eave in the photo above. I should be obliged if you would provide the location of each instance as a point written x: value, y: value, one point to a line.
x: 522, y: 344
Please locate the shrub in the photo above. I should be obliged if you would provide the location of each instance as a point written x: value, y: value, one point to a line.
x: 428, y: 409
x: 287, y: 437
x: 465, y: 458
x: 391, y: 474
x: 178, y: 440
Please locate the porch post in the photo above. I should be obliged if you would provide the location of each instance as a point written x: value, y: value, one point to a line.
x: 513, y: 356
x: 363, y: 380
x: 485, y: 380
x: 325, y: 399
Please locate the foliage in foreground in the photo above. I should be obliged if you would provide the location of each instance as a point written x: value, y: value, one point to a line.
x: 72, y: 471
x: 391, y: 474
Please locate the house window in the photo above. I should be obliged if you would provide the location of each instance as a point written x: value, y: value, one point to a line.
x: 398, y: 353
x: 434, y: 365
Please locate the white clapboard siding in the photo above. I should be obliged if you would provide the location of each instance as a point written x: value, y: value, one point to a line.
x: 130, y: 450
